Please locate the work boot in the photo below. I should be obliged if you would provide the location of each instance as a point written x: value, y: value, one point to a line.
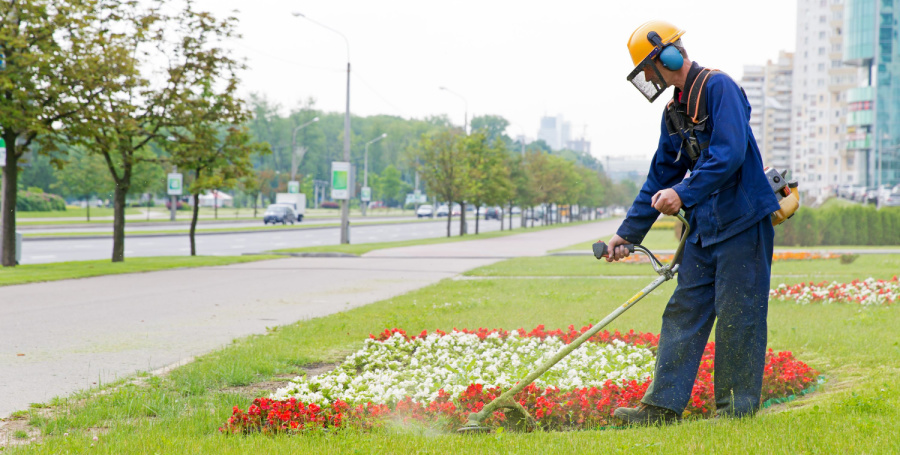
x: 646, y: 414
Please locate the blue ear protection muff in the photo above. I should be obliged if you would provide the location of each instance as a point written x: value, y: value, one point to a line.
x: 669, y: 55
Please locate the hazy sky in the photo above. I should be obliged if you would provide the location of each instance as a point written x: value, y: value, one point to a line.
x: 517, y: 59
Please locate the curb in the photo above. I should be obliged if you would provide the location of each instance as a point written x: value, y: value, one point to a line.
x: 306, y: 255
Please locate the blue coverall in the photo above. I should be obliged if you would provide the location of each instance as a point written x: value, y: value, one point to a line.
x: 726, y: 266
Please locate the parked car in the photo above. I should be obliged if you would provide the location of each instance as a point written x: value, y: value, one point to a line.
x: 516, y: 210
x: 534, y: 214
x: 892, y: 200
x: 425, y: 211
x: 457, y: 210
x: 279, y: 213
x: 491, y: 213
x: 442, y: 210
x: 858, y: 193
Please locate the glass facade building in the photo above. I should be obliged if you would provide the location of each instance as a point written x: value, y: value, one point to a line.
x: 871, y: 42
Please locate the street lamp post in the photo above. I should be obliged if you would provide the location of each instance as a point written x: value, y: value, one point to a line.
x: 366, y: 168
x: 295, y: 160
x: 345, y: 204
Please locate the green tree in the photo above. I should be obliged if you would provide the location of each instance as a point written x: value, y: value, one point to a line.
x: 524, y: 193
x: 255, y: 183
x: 391, y: 186
x: 489, y: 181
x: 218, y: 159
x: 142, y: 101
x: 493, y: 127
x: 47, y: 64
x: 443, y: 166
x: 85, y: 177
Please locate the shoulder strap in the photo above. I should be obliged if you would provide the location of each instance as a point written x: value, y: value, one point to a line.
x: 696, y: 100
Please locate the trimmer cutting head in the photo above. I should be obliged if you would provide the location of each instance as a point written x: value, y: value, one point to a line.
x: 473, y: 429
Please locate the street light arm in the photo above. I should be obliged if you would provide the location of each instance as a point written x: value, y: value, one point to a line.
x: 346, y: 41
x: 294, y: 134
x: 466, y: 102
x: 377, y: 139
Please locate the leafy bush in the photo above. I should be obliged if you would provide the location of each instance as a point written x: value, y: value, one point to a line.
x: 39, y: 202
x: 840, y: 226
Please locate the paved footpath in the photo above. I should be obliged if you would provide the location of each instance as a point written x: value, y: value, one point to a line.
x: 60, y: 337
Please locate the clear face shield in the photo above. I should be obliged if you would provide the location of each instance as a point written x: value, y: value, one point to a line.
x: 647, y: 78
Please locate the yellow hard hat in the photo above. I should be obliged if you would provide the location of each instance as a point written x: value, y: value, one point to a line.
x: 640, y: 46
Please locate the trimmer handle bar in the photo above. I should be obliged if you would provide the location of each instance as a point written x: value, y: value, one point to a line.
x: 601, y: 250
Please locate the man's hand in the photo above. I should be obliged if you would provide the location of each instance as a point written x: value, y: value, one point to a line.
x: 666, y: 201
x: 616, y: 250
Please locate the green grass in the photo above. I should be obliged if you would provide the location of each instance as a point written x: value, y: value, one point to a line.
x: 664, y: 239
x: 364, y: 248
x: 74, y: 212
x: 854, y: 412
x: 33, y: 273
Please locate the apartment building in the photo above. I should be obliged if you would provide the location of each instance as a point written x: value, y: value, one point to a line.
x: 768, y: 90
x: 821, y: 84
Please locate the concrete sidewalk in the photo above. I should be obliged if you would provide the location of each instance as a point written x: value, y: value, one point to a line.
x: 60, y: 337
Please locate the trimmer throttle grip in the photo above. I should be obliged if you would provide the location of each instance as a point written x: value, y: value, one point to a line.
x: 601, y: 251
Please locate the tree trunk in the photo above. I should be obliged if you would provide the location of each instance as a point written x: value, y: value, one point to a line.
x: 10, y: 179
x: 449, y: 216
x: 510, y: 216
x: 87, y: 205
x: 462, y: 218
x: 500, y: 216
x: 194, y: 214
x: 477, y: 212
x: 118, y: 252
x: 255, y: 199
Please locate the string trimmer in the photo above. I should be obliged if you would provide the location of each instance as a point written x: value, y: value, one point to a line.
x: 517, y: 417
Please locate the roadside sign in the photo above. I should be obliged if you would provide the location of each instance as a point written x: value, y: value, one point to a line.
x: 340, y: 180
x: 174, y: 184
x: 2, y: 152
x: 365, y: 194
x: 416, y: 198
x: 293, y: 187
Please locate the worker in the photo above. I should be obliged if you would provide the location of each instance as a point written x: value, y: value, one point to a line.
x: 707, y: 163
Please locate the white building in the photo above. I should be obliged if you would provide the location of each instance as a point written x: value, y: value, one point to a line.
x: 768, y: 90
x: 819, y: 100
x: 753, y: 82
x: 555, y: 132
x: 776, y: 124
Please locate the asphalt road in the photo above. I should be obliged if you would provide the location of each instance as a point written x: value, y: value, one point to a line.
x: 138, y: 226
x: 35, y: 251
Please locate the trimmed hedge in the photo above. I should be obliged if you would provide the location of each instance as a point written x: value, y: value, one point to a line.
x: 840, y: 226
x: 39, y: 202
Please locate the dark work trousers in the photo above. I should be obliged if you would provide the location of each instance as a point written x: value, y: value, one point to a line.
x: 728, y: 280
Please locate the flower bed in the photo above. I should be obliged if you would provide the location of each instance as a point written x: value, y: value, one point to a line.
x: 866, y: 292
x: 438, y: 378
